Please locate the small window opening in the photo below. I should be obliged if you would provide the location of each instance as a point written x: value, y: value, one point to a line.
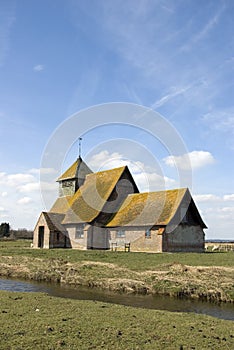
x: 120, y: 234
x: 79, y: 232
x: 147, y: 233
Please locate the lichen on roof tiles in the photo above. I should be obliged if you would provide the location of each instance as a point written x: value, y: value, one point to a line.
x: 78, y: 169
x: 149, y: 208
x: 61, y: 205
x: 91, y: 197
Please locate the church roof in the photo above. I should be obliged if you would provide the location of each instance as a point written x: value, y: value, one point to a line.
x: 148, y: 209
x: 53, y: 221
x: 79, y: 169
x: 61, y: 205
x: 90, y: 198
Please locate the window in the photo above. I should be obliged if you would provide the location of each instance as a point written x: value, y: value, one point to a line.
x: 147, y: 233
x: 120, y: 234
x: 79, y: 232
x: 57, y: 236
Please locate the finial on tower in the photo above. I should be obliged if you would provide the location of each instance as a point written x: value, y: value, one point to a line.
x: 80, y: 139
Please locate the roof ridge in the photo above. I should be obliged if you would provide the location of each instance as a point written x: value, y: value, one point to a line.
x: 151, y: 192
x: 107, y: 170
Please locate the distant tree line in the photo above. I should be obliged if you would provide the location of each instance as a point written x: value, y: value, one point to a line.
x: 21, y: 233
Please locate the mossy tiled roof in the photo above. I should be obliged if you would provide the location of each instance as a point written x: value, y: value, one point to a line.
x: 78, y: 169
x: 61, y: 205
x: 148, y: 209
x: 91, y: 197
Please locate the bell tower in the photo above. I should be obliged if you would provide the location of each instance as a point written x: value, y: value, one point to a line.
x: 74, y: 177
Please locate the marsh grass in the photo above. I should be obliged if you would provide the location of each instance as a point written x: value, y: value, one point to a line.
x: 38, y: 321
x: 207, y: 276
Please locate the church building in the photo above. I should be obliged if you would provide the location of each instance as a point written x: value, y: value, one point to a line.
x: 104, y: 210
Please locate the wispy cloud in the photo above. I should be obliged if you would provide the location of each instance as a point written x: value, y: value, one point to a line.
x: 175, y: 91
x: 38, y: 67
x: 7, y: 19
x: 220, y: 124
x: 212, y: 22
x: 222, y: 120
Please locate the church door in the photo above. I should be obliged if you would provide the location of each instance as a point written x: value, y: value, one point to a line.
x: 41, y: 237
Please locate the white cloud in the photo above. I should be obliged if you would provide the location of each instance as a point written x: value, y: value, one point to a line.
x: 48, y: 186
x: 228, y: 197
x: 146, y: 178
x: 206, y: 198
x: 38, y: 67
x: 152, y: 181
x: 24, y: 200
x: 106, y: 160
x: 194, y: 160
x: 29, y: 187
x: 17, y: 179
x: 42, y: 171
x: 2, y: 176
x: 227, y: 209
x: 27, y: 183
x: 31, y: 197
x: 218, y: 213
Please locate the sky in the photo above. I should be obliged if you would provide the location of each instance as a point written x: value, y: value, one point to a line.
x: 60, y: 59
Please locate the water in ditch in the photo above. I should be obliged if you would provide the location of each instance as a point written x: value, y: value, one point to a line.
x: 222, y: 310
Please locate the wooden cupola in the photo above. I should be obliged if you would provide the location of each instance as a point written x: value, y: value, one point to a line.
x: 73, y: 178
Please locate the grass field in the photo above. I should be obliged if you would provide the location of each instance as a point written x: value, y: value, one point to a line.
x: 208, y: 276
x: 40, y: 322
x: 133, y: 261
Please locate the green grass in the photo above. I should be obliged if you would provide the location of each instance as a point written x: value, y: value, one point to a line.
x: 133, y: 261
x: 40, y: 322
x: 206, y: 276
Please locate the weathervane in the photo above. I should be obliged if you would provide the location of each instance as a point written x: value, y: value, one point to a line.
x: 80, y: 139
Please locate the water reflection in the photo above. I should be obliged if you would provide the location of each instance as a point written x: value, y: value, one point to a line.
x: 223, y: 311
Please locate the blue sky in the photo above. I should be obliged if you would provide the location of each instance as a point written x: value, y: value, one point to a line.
x: 175, y: 57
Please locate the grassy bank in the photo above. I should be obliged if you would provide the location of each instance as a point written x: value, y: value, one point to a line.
x: 37, y: 321
x: 207, y: 276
